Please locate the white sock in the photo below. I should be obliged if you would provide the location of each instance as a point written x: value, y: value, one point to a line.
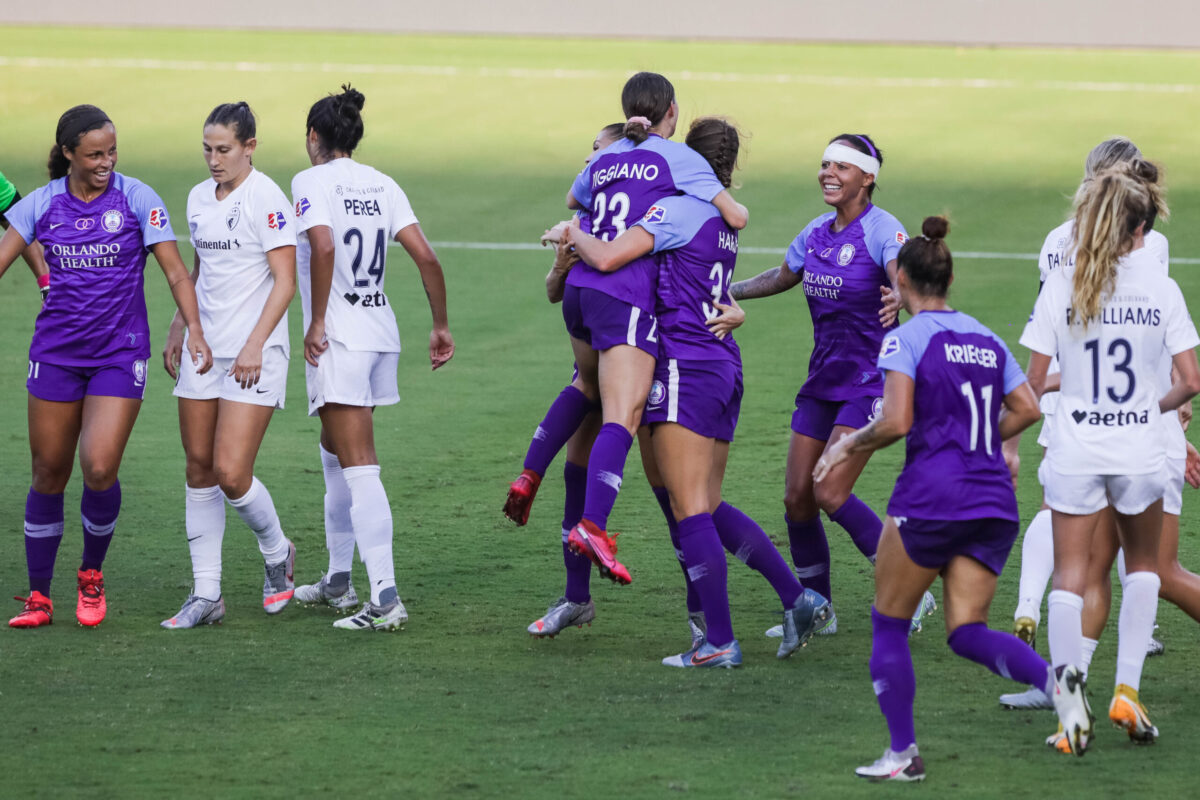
x: 1064, y: 618
x: 1121, y: 566
x: 204, y: 521
x: 1089, y: 650
x: 1138, y: 604
x: 258, y: 512
x: 1037, y: 564
x: 372, y: 517
x: 339, y: 530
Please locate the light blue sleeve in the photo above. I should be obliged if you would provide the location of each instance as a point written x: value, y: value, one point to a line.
x: 692, y: 174
x: 581, y: 189
x: 884, y: 236
x: 151, y: 213
x: 1013, y: 374
x: 902, y: 349
x: 799, y: 247
x: 674, y: 221
x: 24, y: 214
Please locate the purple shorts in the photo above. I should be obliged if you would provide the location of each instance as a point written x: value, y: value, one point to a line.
x: 703, y: 396
x: 70, y: 384
x: 932, y: 543
x: 604, y: 321
x: 817, y: 418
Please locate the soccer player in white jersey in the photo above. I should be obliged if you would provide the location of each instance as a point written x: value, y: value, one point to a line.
x: 245, y: 272
x: 349, y: 212
x: 1109, y: 318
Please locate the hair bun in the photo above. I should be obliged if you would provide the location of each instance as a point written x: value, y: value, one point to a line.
x: 935, y: 227
x: 350, y: 96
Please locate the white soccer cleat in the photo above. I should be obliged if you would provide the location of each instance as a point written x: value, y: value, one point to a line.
x: 314, y: 594
x: 1074, y: 713
x: 373, y: 618
x: 907, y: 766
x: 1032, y: 698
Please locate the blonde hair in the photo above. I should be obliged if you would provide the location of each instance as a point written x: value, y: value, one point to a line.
x: 1109, y: 207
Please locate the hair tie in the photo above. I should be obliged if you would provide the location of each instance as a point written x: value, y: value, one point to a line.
x: 643, y: 121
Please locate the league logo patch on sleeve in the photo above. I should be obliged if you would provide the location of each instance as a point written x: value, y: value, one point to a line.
x: 276, y: 221
x: 891, y: 346
x: 302, y: 205
x: 901, y: 238
x: 158, y: 218
x: 655, y: 214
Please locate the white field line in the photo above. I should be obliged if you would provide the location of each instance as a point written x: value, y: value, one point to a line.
x: 40, y: 62
x: 753, y: 251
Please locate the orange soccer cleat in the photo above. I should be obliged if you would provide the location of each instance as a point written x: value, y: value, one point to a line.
x: 92, y: 606
x: 586, y: 539
x: 38, y: 611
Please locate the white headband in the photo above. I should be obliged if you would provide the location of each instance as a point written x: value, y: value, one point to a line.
x: 848, y: 155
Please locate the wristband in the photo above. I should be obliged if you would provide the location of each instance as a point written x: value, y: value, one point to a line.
x: 43, y: 281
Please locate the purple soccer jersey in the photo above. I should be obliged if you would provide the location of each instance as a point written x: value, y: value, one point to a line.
x: 842, y: 273
x: 697, y: 253
x: 953, y: 467
x: 96, y: 311
x: 617, y: 187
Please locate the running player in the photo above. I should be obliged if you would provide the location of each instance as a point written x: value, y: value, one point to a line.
x: 33, y: 251
x: 846, y: 259
x: 349, y: 212
x: 245, y: 239
x: 611, y: 317
x: 1108, y: 319
x: 955, y: 391
x: 87, y: 360
x: 694, y: 401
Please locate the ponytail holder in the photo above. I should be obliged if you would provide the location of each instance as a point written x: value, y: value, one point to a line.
x: 643, y: 121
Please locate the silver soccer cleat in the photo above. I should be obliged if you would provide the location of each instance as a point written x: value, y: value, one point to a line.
x: 893, y: 766
x: 316, y: 594
x: 1032, y: 698
x: 810, y: 612
x: 278, y: 585
x: 196, y: 611
x: 562, y: 614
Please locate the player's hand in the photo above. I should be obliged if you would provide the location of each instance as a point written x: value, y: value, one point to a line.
x: 832, y: 456
x: 1011, y: 450
x: 889, y: 312
x: 732, y: 316
x: 1191, y: 468
x: 565, y: 257
x: 555, y: 235
x: 173, y: 350
x: 314, y: 341
x: 198, y: 350
x: 247, y: 367
x: 1185, y: 415
x: 441, y: 346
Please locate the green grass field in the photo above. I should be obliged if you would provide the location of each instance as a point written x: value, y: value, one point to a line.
x: 485, y: 134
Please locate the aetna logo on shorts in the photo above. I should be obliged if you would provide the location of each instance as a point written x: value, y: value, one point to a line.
x: 1111, y: 419
x: 377, y: 300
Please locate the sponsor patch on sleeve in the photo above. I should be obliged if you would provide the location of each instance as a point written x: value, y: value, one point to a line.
x: 891, y: 346
x: 158, y: 218
x: 276, y: 221
x: 302, y: 205
x: 655, y: 214
x: 901, y: 237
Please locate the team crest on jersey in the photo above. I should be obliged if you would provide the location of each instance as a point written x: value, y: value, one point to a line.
x: 235, y: 216
x: 112, y: 221
x: 139, y: 372
x: 85, y: 223
x: 901, y: 237
x: 302, y: 205
x: 158, y: 218
x: 845, y: 255
x: 655, y: 214
x: 658, y: 393
x: 891, y: 346
x: 276, y: 221
x: 876, y: 409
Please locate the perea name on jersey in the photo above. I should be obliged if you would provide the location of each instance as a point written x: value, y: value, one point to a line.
x: 1123, y: 315
x: 637, y: 172
x: 362, y: 208
x: 970, y: 354
x: 87, y: 256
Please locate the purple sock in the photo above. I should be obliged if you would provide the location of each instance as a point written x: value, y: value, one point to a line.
x: 744, y: 538
x: 810, y: 554
x: 606, y: 466
x: 861, y: 523
x: 564, y: 417
x: 706, y: 567
x: 1002, y: 653
x: 579, y: 568
x: 43, y: 534
x: 892, y: 675
x: 99, y: 511
x: 664, y: 502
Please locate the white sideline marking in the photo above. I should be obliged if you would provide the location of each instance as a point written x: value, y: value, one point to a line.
x: 41, y: 62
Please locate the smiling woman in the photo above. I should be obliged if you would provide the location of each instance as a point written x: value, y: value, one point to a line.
x: 87, y: 361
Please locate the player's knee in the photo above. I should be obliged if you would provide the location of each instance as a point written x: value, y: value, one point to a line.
x: 233, y: 480
x: 830, y: 498
x: 50, y: 478
x: 99, y: 474
x: 800, y: 505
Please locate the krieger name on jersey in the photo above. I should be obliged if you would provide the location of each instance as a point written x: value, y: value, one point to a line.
x: 970, y: 354
x: 86, y: 256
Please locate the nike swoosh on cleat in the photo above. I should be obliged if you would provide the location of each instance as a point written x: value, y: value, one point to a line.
x: 709, y: 657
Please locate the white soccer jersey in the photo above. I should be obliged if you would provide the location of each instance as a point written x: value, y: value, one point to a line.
x: 364, y: 209
x: 232, y: 237
x: 1108, y: 421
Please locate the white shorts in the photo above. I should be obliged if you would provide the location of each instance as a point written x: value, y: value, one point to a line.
x: 1173, y: 496
x: 352, y: 378
x: 271, y: 389
x: 1044, y: 434
x: 1087, y: 494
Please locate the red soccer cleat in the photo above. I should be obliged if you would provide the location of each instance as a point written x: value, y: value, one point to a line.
x: 38, y: 611
x: 92, y: 606
x: 586, y: 539
x: 520, y: 496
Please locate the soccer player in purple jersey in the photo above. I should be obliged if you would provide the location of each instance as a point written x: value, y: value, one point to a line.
x: 1109, y: 318
x: 87, y: 360
x: 611, y: 317
x: 846, y: 261
x: 954, y: 389
x: 694, y: 402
